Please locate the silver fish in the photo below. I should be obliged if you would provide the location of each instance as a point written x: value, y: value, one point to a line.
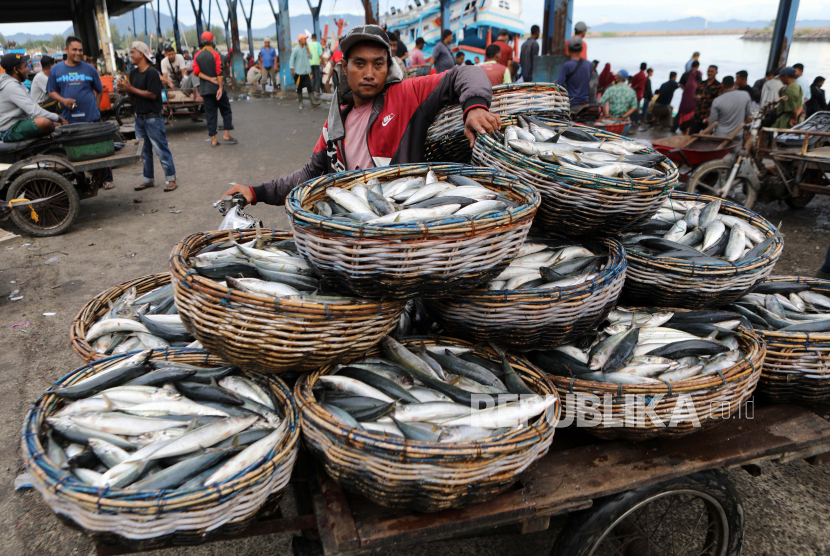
x: 735, y: 246
x: 714, y: 231
x: 348, y: 200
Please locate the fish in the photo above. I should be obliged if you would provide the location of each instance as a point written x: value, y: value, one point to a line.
x: 429, y: 191
x: 247, y: 457
x: 353, y: 386
x: 735, y: 247
x: 714, y: 232
x: 348, y: 200
x: 253, y: 285
x: 709, y: 213
x: 480, y: 207
x: 111, y: 326
x: 416, y: 214
x: 116, y: 423
x: 101, y: 382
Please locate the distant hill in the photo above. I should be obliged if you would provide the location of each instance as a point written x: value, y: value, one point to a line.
x: 124, y: 24
x: 695, y: 24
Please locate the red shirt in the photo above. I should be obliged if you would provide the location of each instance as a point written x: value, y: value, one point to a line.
x: 638, y: 83
x: 506, y: 52
x: 583, y: 54
x: 495, y: 73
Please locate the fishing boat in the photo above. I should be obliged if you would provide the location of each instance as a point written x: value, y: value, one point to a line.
x: 475, y: 24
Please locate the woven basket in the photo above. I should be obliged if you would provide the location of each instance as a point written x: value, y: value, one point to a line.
x: 797, y: 367
x: 145, y: 520
x: 424, y: 476
x: 677, y: 283
x: 264, y: 333
x: 404, y: 260
x: 445, y: 137
x: 534, y: 318
x: 97, y: 307
x: 619, y: 410
x: 575, y: 203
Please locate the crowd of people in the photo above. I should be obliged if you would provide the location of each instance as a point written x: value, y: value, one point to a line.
x: 706, y: 104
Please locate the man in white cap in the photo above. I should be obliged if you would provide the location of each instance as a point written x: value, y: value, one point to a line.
x: 145, y: 87
x: 377, y: 119
x: 580, y: 29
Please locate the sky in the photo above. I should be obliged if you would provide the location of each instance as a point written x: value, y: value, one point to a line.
x: 593, y: 12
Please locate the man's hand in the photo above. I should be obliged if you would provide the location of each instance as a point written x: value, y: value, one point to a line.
x: 219, y: 94
x: 480, y: 120
x: 244, y: 190
x: 125, y: 87
x: 69, y: 103
x: 62, y: 122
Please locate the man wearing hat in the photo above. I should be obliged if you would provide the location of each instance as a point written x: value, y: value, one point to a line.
x: 620, y: 100
x: 506, y: 51
x: 207, y: 66
x: 144, y: 87
x: 268, y: 57
x: 376, y: 119
x: 580, y: 29
x: 20, y: 116
x: 300, y: 64
x: 789, y: 110
x: 576, y: 75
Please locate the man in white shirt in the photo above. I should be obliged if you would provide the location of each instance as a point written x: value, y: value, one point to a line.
x: 254, y: 74
x: 172, y: 68
x: 38, y: 90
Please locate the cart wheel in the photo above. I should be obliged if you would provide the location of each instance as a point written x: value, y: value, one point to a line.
x: 710, y: 177
x: 53, y: 217
x: 700, y: 514
x: 125, y: 111
x: 799, y: 202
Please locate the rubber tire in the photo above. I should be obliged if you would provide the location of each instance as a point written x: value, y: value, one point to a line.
x: 42, y: 173
x: 583, y: 529
x: 120, y: 118
x: 720, y: 164
x: 799, y: 202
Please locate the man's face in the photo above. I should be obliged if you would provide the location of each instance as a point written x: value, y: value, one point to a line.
x: 740, y: 81
x: 798, y: 72
x: 786, y: 79
x: 267, y: 44
x: 136, y: 56
x: 504, y: 37
x: 170, y: 56
x: 75, y: 52
x: 393, y: 46
x: 20, y: 72
x: 460, y: 59
x: 366, y: 70
x: 302, y: 41
x: 711, y: 72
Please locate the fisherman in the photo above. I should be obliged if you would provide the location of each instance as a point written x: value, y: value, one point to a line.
x: 316, y: 52
x: 662, y: 109
x: 268, y: 58
x: 802, y: 81
x: 706, y: 93
x: 620, y: 100
x: 254, y: 74
x: 441, y: 55
x: 20, y: 116
x: 401, y: 51
x: 416, y: 57
x: 380, y: 120
x: 741, y: 84
x: 300, y: 64
x: 638, y: 82
x: 207, y: 66
x: 771, y: 89
x: 506, y: 50
x: 580, y: 30
x: 496, y: 73
x: 789, y: 110
x: 529, y: 52
x: 817, y: 102
x: 190, y: 85
x: 393, y: 44
x: 731, y: 109
x: 172, y: 68
x: 758, y: 86
x: 688, y: 67
x: 145, y: 88
x: 647, y: 96
x: 41, y: 80
x: 576, y: 75
x: 459, y: 58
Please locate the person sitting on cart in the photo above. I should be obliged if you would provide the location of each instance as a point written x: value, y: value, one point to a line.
x: 382, y: 119
x: 20, y: 116
x: 190, y: 85
x: 172, y: 68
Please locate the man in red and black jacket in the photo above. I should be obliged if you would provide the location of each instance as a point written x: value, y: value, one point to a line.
x: 383, y: 119
x: 207, y: 66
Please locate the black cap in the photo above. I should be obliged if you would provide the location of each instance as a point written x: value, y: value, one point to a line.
x: 13, y: 60
x: 364, y: 33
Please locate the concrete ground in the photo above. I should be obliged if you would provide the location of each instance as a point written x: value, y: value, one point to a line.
x: 122, y: 234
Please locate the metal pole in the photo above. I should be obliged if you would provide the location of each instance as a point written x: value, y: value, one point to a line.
x: 372, y: 9
x: 158, y: 23
x: 276, y: 24
x: 284, y: 40
x: 315, y: 18
x: 135, y: 37
x: 445, y: 13
x: 557, y: 26
x: 225, y: 23
x: 782, y: 35
x: 248, y: 17
x: 199, y: 28
x: 237, y: 71
x: 104, y: 36
x: 146, y: 36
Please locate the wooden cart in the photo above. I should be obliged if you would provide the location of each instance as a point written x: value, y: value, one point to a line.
x: 602, y: 489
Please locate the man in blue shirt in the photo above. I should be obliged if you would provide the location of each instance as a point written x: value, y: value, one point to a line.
x: 268, y: 57
x: 77, y: 86
x: 576, y: 75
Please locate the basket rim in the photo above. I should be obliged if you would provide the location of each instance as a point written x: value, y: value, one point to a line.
x: 79, y: 325
x: 547, y: 171
x: 805, y: 337
x: 122, y: 498
x: 504, y: 443
x: 616, y: 266
x: 185, y: 277
x: 737, y: 372
x: 681, y: 266
x: 437, y: 228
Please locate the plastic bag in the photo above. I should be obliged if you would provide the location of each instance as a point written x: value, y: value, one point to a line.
x: 236, y: 219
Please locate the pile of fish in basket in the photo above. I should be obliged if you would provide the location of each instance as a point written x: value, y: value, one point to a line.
x: 437, y: 321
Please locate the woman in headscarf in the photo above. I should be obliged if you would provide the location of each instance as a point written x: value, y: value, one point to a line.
x: 688, y: 102
x: 606, y: 78
x: 817, y: 102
